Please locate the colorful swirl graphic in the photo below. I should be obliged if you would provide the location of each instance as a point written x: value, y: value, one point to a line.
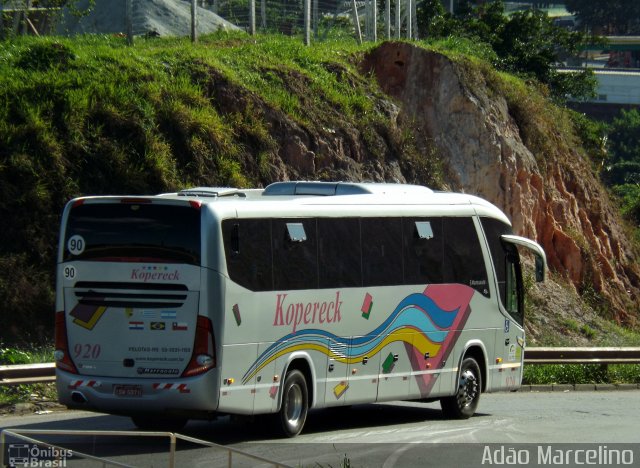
x: 422, y: 321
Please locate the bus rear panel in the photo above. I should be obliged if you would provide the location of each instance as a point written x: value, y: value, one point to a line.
x: 130, y: 334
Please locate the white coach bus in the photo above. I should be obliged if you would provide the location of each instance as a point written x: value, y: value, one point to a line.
x: 303, y: 295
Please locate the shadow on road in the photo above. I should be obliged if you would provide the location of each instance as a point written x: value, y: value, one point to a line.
x: 244, y: 433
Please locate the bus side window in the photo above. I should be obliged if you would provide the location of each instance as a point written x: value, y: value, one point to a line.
x: 295, y: 260
x: 423, y: 246
x: 381, y: 251
x: 340, y: 252
x: 248, y: 252
x: 506, y: 263
x: 514, y: 293
x: 463, y: 259
x: 235, y: 238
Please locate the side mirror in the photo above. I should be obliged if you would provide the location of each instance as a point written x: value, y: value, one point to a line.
x: 534, y: 247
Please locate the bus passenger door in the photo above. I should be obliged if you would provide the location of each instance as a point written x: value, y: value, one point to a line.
x: 510, y: 340
x: 513, y: 302
x: 395, y: 369
x: 362, y: 373
x: 337, y: 383
x: 509, y: 349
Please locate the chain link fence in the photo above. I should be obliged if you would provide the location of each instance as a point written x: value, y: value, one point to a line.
x: 366, y: 20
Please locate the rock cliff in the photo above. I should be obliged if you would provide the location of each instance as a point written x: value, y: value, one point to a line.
x: 486, y: 144
x: 548, y: 191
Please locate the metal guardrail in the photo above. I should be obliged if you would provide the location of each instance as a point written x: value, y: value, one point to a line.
x: 23, y: 434
x: 42, y: 373
x: 582, y: 356
x: 20, y: 374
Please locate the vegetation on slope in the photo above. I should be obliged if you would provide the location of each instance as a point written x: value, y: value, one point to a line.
x: 92, y: 116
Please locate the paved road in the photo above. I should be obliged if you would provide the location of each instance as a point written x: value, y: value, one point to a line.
x: 389, y: 435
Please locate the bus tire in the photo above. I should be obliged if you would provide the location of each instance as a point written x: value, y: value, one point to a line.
x: 158, y: 423
x: 295, y: 403
x: 463, y: 404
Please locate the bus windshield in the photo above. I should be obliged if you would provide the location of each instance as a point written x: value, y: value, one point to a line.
x: 133, y: 233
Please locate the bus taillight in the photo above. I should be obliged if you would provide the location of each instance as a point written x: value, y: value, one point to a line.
x: 204, y: 354
x: 61, y: 353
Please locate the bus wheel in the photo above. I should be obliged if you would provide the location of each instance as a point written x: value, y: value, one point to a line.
x: 463, y: 404
x: 295, y: 403
x: 158, y: 423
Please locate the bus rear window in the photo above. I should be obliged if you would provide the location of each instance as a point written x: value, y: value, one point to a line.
x: 133, y: 233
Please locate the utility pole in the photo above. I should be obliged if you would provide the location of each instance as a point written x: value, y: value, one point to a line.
x: 128, y: 19
x: 307, y: 22
x: 356, y: 21
x: 398, y: 19
x: 409, y: 21
x: 316, y: 18
x: 387, y: 19
x: 252, y: 17
x: 194, y: 21
x: 374, y: 20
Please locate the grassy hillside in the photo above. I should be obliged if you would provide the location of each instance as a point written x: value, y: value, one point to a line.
x: 92, y: 116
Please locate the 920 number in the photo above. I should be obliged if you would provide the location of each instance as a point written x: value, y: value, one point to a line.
x: 86, y: 351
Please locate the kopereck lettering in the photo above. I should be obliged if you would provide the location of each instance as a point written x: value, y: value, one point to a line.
x: 144, y: 276
x: 298, y: 313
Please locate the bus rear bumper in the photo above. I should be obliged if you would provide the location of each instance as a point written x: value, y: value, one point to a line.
x: 194, y: 397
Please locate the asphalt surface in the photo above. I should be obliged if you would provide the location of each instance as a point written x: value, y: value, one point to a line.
x: 528, y: 425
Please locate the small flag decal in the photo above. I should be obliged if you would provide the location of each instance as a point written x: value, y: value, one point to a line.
x: 179, y: 326
x: 136, y: 325
x: 168, y: 314
x: 157, y: 326
x: 367, y: 305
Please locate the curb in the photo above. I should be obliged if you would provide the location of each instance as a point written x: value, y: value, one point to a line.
x: 578, y: 387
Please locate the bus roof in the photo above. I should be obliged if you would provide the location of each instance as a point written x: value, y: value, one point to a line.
x: 305, y: 195
x: 320, y: 198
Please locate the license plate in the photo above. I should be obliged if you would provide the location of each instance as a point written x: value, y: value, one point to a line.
x: 128, y: 390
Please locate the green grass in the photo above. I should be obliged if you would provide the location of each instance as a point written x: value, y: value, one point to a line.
x: 21, y: 393
x: 11, y: 395
x: 91, y: 115
x: 547, y: 374
x: 32, y: 355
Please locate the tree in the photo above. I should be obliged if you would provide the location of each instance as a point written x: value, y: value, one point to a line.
x: 629, y: 195
x: 434, y: 21
x: 625, y: 138
x: 488, y: 22
x: 529, y: 43
x: 611, y: 17
x: 526, y: 43
x: 623, y: 170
